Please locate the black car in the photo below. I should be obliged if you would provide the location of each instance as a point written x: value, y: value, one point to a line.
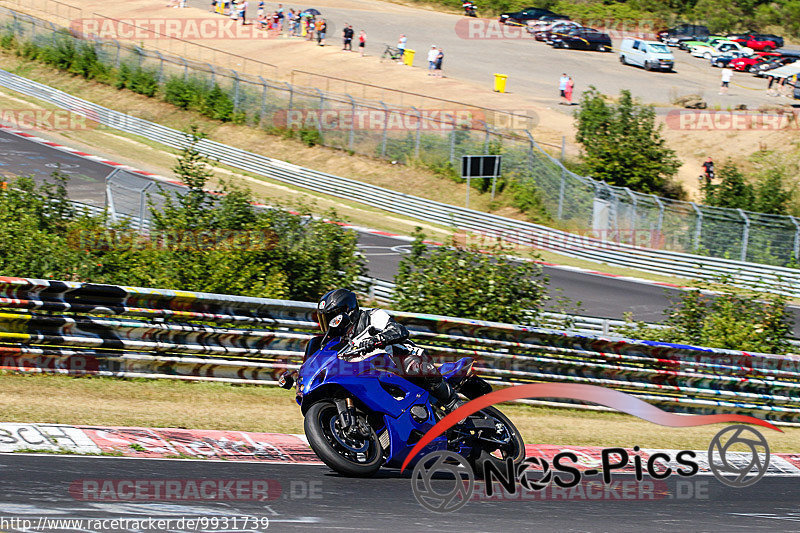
x: 769, y: 37
x: 582, y: 39
x: 523, y: 16
x: 683, y: 32
x: 762, y: 69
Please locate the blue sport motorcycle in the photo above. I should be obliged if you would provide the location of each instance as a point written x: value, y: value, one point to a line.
x: 361, y: 414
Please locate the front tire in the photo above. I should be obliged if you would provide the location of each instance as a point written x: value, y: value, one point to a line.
x: 353, y: 457
x: 514, y: 449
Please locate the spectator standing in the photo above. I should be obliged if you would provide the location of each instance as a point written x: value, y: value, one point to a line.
x: 562, y: 86
x: 433, y: 53
x: 281, y: 17
x: 243, y: 12
x: 362, y: 41
x: 321, y: 31
x: 438, y: 66
x: 234, y: 12
x: 348, y: 37
x: 727, y: 74
x: 568, y: 90
x: 401, y: 45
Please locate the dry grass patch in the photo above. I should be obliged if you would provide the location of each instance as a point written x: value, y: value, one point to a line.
x: 162, y: 403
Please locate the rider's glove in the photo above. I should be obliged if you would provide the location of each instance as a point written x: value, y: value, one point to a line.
x: 286, y: 379
x: 367, y: 345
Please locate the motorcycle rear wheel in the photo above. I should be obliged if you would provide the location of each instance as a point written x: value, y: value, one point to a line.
x: 353, y: 457
x: 515, y: 449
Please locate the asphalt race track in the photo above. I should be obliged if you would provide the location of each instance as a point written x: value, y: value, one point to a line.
x: 313, y: 498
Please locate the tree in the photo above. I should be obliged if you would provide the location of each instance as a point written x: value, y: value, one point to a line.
x: 734, y: 318
x: 623, y: 146
x: 462, y: 282
x: 720, y: 15
x: 732, y: 191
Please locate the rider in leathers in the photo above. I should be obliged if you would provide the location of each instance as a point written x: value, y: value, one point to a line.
x: 338, y: 314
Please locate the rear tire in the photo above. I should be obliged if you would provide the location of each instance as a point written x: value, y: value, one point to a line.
x: 647, y: 66
x: 332, y: 447
x: 515, y: 449
x: 622, y: 60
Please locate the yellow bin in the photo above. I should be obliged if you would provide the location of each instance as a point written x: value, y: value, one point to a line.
x: 500, y: 82
x: 408, y: 57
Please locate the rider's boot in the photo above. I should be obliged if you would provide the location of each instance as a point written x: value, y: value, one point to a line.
x: 447, y: 396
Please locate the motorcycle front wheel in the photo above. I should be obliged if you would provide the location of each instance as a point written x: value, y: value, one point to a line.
x: 512, y: 446
x: 350, y: 455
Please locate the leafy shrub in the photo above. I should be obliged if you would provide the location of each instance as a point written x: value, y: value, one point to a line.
x: 186, y: 94
x: 218, y: 105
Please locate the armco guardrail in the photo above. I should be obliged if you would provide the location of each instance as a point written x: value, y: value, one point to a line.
x: 779, y: 279
x: 80, y: 329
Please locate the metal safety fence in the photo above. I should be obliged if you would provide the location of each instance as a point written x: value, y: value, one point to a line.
x: 485, y: 225
x: 116, y: 331
x: 439, y: 137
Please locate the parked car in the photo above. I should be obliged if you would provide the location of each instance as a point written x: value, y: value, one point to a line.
x: 727, y: 59
x: 683, y: 32
x: 583, y: 39
x: 556, y: 29
x: 646, y: 54
x: 762, y: 69
x: 525, y: 15
x: 541, y: 29
x: 748, y: 64
x: 711, y: 40
x: 758, y: 41
x: 708, y: 52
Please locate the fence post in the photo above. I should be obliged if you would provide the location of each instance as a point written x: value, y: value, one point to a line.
x: 745, y: 234
x: 633, y: 214
x: 352, y: 133
x: 385, y: 127
x: 117, y: 57
x: 698, y: 228
x: 796, y: 238
x: 319, y: 116
x: 561, y: 188
x: 213, y: 75
x: 453, y: 142
x: 291, y: 94
x: 185, y: 68
x: 143, y: 207
x: 660, y: 204
x: 160, y: 66
x: 235, y: 90
x: 110, y: 196
x: 263, y: 99
x: 563, y: 147
x: 418, y: 134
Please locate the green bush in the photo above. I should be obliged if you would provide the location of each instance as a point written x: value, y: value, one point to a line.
x: 186, y: 94
x: 218, y: 105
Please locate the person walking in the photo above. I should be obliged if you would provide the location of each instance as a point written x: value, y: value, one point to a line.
x: 708, y: 170
x: 726, y: 76
x: 568, y: 90
x: 348, y: 37
x: 243, y: 12
x: 433, y: 53
x: 362, y: 41
x: 562, y: 87
x: 321, y: 31
x: 437, y: 70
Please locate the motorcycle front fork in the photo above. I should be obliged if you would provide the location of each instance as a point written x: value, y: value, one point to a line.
x: 349, y: 420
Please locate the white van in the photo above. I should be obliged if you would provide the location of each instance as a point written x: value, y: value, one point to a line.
x: 648, y: 54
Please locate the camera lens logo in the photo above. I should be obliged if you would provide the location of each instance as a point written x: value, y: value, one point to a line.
x: 456, y: 493
x: 735, y: 468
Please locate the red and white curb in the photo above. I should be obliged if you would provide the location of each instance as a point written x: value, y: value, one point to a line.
x: 173, y: 443
x: 404, y: 238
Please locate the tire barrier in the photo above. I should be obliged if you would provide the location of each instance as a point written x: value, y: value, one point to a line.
x: 117, y: 331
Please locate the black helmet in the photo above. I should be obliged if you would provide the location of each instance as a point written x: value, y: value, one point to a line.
x: 335, y: 303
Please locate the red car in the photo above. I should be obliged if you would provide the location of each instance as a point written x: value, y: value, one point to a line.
x: 745, y: 63
x: 756, y: 42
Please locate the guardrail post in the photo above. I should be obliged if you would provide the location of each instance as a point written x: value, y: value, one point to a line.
x: 385, y: 127
x: 698, y: 228
x: 796, y: 238
x: 745, y: 233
